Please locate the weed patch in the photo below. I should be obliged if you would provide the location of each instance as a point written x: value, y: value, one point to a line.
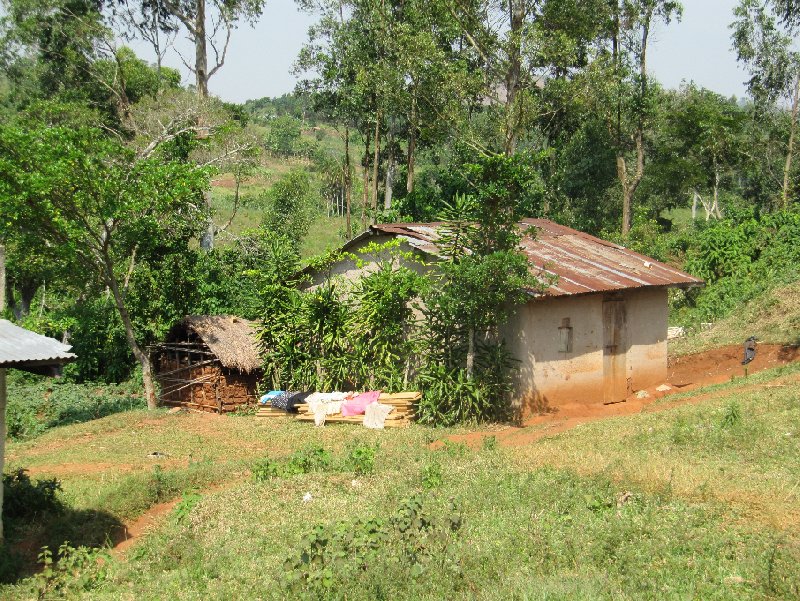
x: 408, y: 544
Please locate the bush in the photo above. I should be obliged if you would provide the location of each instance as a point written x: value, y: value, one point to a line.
x: 74, y: 571
x: 361, y: 458
x: 310, y: 459
x: 740, y: 258
x: 412, y: 540
x: 36, y: 405
x: 25, y: 500
x: 432, y: 475
x: 265, y: 469
x: 304, y: 461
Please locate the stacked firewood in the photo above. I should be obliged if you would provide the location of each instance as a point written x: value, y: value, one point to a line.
x: 269, y: 411
x: 403, y: 411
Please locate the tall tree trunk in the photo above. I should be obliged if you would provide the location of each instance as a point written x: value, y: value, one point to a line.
x: 694, y: 204
x: 412, y: 142
x: 516, y: 15
x: 376, y: 161
x: 348, y: 183
x: 389, y: 181
x: 629, y: 186
x: 22, y: 307
x: 365, y: 177
x: 201, y: 79
x: 141, y: 357
x: 200, y: 49
x: 470, y: 352
x: 787, y: 169
x: 622, y: 176
x: 2, y: 386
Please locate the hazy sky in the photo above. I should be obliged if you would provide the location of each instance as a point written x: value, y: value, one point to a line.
x: 260, y: 59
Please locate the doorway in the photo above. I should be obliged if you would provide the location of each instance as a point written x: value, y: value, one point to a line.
x: 615, y: 373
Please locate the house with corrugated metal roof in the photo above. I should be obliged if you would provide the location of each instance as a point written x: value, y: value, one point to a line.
x: 596, y: 335
x: 29, y: 351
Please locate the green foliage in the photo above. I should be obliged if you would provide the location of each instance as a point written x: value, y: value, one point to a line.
x: 732, y: 416
x: 36, y: 405
x: 283, y: 135
x: 73, y: 571
x: 741, y: 257
x: 291, y: 204
x: 382, y: 325
x: 489, y: 443
x: 265, y: 469
x: 432, y: 475
x: 412, y: 541
x: 361, y: 458
x: 184, y: 508
x: 24, y: 500
x: 304, y: 461
x: 310, y: 459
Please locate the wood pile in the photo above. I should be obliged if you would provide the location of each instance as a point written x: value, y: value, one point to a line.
x: 267, y: 411
x: 403, y: 412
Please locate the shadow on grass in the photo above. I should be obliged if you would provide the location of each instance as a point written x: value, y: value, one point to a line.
x: 78, y: 527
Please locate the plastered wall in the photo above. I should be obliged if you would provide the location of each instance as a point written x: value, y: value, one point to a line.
x: 350, y: 271
x: 549, y: 377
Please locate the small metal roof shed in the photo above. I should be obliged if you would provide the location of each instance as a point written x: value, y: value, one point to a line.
x: 583, y: 263
x: 29, y: 351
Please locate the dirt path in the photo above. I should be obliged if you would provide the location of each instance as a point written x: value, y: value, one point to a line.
x: 133, y: 531
x: 685, y: 373
x: 153, y: 517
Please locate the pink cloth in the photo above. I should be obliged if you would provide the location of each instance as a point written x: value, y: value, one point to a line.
x: 358, y: 404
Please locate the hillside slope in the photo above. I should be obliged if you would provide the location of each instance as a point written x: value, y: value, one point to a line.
x: 698, y: 500
x: 773, y: 318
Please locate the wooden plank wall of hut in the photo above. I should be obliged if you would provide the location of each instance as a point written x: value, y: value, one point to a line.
x: 190, y: 378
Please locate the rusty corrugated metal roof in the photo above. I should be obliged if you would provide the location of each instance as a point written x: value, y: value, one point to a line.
x: 583, y: 263
x: 19, y: 347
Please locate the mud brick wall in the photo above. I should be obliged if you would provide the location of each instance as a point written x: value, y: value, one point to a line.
x: 205, y: 388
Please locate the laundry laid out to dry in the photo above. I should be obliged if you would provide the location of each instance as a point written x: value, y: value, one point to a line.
x: 372, y: 409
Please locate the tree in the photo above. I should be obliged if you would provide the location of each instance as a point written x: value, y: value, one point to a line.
x: 764, y: 45
x: 625, y: 92
x: 100, y: 203
x: 206, y: 24
x: 697, y: 145
x: 283, y: 136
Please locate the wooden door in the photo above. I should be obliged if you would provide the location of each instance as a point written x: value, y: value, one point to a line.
x: 615, y: 376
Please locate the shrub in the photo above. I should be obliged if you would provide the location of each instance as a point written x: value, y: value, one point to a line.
x: 186, y: 505
x: 310, y: 459
x: 75, y: 571
x: 411, y: 540
x: 38, y: 404
x: 265, y: 469
x: 304, y: 461
x: 489, y: 443
x: 732, y: 416
x: 361, y: 458
x: 432, y: 475
x: 26, y: 500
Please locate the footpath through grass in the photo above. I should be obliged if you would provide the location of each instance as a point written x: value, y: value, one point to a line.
x: 699, y: 501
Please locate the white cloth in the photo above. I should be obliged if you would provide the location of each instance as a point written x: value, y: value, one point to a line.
x: 375, y: 415
x: 322, y: 404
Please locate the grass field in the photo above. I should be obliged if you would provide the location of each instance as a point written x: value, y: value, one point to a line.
x: 698, y: 501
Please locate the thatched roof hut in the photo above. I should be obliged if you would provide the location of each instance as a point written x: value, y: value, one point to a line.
x: 209, y: 362
x: 232, y: 339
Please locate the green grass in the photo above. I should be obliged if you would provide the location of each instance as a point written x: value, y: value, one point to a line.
x: 700, y: 501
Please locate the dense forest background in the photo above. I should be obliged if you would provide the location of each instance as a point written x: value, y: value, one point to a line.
x: 129, y: 200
